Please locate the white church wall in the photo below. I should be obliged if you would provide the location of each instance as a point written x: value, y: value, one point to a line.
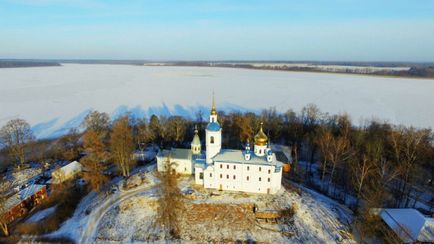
x: 244, y: 177
x: 210, y: 177
x: 181, y: 166
x: 198, y: 172
x: 213, y: 144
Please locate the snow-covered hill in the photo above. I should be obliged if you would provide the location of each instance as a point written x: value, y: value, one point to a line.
x: 54, y: 99
x: 129, y: 216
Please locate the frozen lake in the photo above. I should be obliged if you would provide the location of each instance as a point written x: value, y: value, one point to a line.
x: 54, y: 99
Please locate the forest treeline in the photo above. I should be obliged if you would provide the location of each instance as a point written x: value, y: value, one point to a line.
x: 415, y: 70
x: 367, y: 166
x: 26, y: 63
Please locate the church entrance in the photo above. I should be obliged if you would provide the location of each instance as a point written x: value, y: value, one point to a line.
x: 268, y: 190
x: 220, y: 187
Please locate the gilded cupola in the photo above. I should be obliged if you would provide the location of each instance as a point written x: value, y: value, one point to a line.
x: 260, y: 138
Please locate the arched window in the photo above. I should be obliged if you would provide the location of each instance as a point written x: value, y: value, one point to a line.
x: 212, y: 140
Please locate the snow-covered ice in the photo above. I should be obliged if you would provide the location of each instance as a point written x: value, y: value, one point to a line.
x: 54, y: 99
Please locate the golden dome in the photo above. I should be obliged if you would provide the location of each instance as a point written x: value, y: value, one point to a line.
x: 261, y: 139
x: 213, y: 111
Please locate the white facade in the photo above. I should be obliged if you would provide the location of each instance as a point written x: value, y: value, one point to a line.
x: 234, y: 170
x: 213, y: 143
x: 181, y: 160
x: 255, y: 175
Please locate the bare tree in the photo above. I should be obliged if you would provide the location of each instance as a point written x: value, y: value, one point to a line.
x: 246, y: 126
x: 68, y: 145
x: 334, y: 150
x: 122, y: 145
x: 310, y: 117
x: 407, y: 144
x: 15, y: 135
x: 96, y: 121
x: 363, y: 163
x: 170, y: 203
x: 155, y: 128
x: 95, y: 160
x: 176, y: 128
x: 294, y: 135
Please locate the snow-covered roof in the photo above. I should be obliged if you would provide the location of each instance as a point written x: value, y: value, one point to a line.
x: 21, y: 196
x: 176, y: 153
x: 237, y: 156
x: 72, y: 167
x: 409, y: 224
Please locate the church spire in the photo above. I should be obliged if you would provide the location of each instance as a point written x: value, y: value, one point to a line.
x: 213, y: 108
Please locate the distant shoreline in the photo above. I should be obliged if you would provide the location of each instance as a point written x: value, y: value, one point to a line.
x: 26, y: 64
x: 381, y: 69
x: 417, y: 71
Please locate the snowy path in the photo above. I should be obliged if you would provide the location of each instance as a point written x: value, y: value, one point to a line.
x: 83, y: 225
x: 91, y: 228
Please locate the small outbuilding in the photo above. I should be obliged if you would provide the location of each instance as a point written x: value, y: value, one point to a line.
x: 67, y: 172
x: 408, y: 224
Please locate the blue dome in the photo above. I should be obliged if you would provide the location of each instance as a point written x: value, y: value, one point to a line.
x: 270, y: 152
x: 213, y: 126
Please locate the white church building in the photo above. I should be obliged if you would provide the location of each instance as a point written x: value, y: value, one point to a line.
x: 256, y: 171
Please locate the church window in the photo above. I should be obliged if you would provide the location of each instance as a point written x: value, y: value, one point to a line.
x: 201, y: 176
x: 247, y: 178
x: 235, y: 167
x: 185, y: 169
x: 221, y: 176
x: 212, y: 140
x: 221, y: 166
x: 259, y: 169
x: 259, y: 178
x: 227, y: 166
x: 234, y: 177
x: 268, y: 179
x: 269, y: 171
x: 210, y: 174
x: 248, y: 167
x: 227, y: 176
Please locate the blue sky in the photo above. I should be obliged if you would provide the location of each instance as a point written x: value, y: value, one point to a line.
x: 341, y: 30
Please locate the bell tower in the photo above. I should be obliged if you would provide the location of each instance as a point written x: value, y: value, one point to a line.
x: 213, y: 134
